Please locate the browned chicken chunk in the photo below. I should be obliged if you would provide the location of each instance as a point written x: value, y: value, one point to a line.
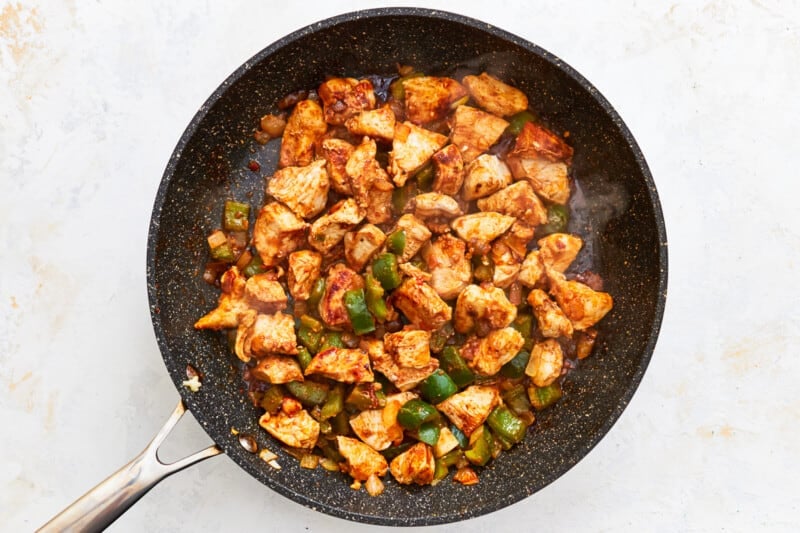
x: 471, y: 407
x: 474, y: 131
x: 428, y: 98
x: 363, y: 170
x: 361, y: 245
x: 265, y: 294
x: 487, y: 305
x: 508, y: 253
x: 546, y: 362
x: 230, y: 305
x: 415, y: 465
x: 485, y: 175
x: 449, y: 170
x: 271, y: 334
x: 584, y: 306
x: 304, y: 270
x: 517, y: 200
x: 379, y: 206
x: 343, y: 98
x: 421, y: 304
x: 278, y: 369
x: 404, y: 378
x: 409, y: 347
x: 541, y: 157
x: 304, y: 128
x: 551, y: 319
x: 362, y: 461
x: 347, y: 365
x: 532, y: 270
x: 329, y: 229
x: 369, y: 427
x: 297, y: 430
x: 558, y: 250
x: 434, y: 205
x: 478, y: 230
x: 303, y: 189
x: 450, y: 270
x: 331, y: 306
x: 412, y: 147
x: 376, y: 123
x: 495, y: 96
x: 336, y: 152
x: 277, y: 233
x: 487, y: 355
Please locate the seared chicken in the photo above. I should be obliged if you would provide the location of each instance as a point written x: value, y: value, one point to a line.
x: 361, y: 245
x: 304, y: 128
x: 558, y: 250
x: 487, y: 355
x: 584, y: 306
x: 449, y: 170
x: 450, y: 270
x: 278, y: 369
x: 415, y: 465
x: 303, y: 189
x: 485, y: 175
x: 329, y: 229
x: 297, y: 430
x: 416, y: 235
x: 532, y: 270
x: 478, y: 230
x: 428, y: 98
x: 277, y: 233
x: 271, y: 334
x: 230, y: 305
x: 410, y: 347
x: 379, y: 205
x: 495, y: 96
x: 363, y: 170
x: 343, y: 98
x: 376, y: 123
x: 421, y: 305
x: 331, y: 306
x: 362, y: 461
x: 393, y: 404
x: 304, y: 270
x: 471, y: 407
x: 336, y: 152
x: 517, y: 200
x: 487, y: 305
x: 412, y: 147
x: 546, y: 362
x: 474, y: 131
x: 541, y: 157
x: 551, y: 319
x: 404, y: 378
x: 536, y: 141
x: 347, y: 365
x: 434, y: 205
x: 263, y: 293
x: 508, y: 253
x: 369, y: 427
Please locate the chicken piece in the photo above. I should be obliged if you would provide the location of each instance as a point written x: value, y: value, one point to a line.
x: 541, y: 157
x: 485, y: 304
x: 379, y: 206
x: 393, y: 404
x: 304, y: 128
x: 495, y: 96
x: 410, y: 347
x: 277, y: 233
x: 377, y: 124
x: 369, y: 427
x: 471, y: 407
x: 428, y: 98
x: 303, y: 189
x: 414, y: 465
x: 558, y: 250
x: 361, y: 245
x: 449, y: 170
x: 551, y: 319
x: 271, y: 334
x: 584, y: 306
x: 336, y: 152
x: 278, y: 369
x: 362, y: 461
x: 446, y: 443
x: 298, y: 430
x: 434, y: 205
x: 532, y: 269
x: 263, y: 293
x: 329, y: 229
x: 508, y: 253
x: 517, y: 200
x: 304, y: 270
x: 485, y: 175
x: 450, y: 270
x: 412, y: 147
x: 230, y: 305
x: 414, y: 271
x: 478, y: 230
x: 240, y: 348
x: 347, y: 365
x: 474, y: 131
x: 421, y: 304
x: 363, y: 170
x: 331, y: 306
x: 416, y: 235
x: 545, y: 364
x: 487, y: 355
x: 343, y: 98
x: 404, y: 378
x: 584, y: 342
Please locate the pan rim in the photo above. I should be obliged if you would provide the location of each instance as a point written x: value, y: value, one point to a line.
x: 646, y: 355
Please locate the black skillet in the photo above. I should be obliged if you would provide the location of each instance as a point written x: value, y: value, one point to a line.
x: 616, y: 209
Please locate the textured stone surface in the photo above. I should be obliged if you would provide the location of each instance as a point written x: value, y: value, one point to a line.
x: 94, y: 98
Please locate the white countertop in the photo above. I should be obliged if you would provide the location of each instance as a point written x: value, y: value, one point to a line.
x: 93, y: 98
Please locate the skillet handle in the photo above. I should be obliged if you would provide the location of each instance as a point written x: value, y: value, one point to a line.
x: 99, y: 507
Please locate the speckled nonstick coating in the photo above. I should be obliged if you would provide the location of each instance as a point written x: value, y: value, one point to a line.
x: 622, y: 210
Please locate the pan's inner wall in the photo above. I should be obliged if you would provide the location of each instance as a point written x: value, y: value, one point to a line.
x: 209, y: 169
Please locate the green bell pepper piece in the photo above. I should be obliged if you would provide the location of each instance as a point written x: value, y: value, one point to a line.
x: 482, y: 268
x: 516, y: 367
x: 396, y: 242
x: 452, y: 458
x: 396, y: 87
x: 373, y: 292
x: 425, y: 177
x: 393, y: 451
x: 437, y: 387
x: 235, y: 216
x: 358, y: 312
x: 385, y: 270
x: 401, y: 196
x: 524, y: 324
x: 543, y: 397
x: 303, y: 357
x: 255, y: 266
x: 309, y: 393
x: 440, y: 470
x: 506, y: 424
x: 557, y: 220
x: 331, y: 339
x: 334, y: 403
x: 364, y: 396
x: 317, y: 291
x: 456, y: 367
x: 428, y: 433
x: 480, y: 452
x: 223, y: 252
x: 518, y: 120
x: 516, y: 398
x: 309, y: 338
x: 272, y: 399
x: 415, y: 412
x: 463, y: 440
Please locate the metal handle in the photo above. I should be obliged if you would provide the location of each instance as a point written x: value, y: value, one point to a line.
x: 99, y: 507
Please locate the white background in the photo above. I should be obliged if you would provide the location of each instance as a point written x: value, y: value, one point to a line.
x: 93, y: 98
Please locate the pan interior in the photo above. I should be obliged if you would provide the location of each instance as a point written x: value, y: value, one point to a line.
x: 618, y: 205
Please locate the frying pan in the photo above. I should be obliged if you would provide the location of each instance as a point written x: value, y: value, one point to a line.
x: 615, y: 206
